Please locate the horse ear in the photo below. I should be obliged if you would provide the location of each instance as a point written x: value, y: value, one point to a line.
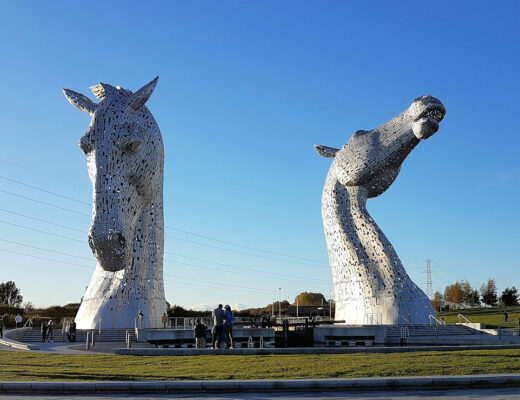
x: 325, y: 151
x: 80, y: 101
x: 140, y: 97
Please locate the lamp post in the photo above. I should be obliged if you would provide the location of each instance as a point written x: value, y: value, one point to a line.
x: 280, y: 303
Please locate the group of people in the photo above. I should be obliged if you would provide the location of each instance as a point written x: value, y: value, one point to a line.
x: 47, y: 331
x: 70, y: 330
x: 222, y: 331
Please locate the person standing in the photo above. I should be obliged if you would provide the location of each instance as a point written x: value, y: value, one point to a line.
x: 43, y: 331
x: 230, y: 318
x: 140, y: 317
x: 67, y: 330
x: 17, y: 320
x: 73, y: 331
x: 200, y: 334
x: 218, y: 323
x: 164, y: 320
x: 1, y: 326
x: 50, y: 333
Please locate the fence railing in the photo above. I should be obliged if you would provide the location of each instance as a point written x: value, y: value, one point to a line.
x: 464, y: 318
x: 437, y: 322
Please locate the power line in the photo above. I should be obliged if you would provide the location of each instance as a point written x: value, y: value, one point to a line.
x: 242, y: 233
x: 45, y: 258
x: 42, y: 220
x: 237, y: 288
x: 175, y: 262
x: 242, y: 267
x: 242, y: 252
x: 189, y: 241
x: 429, y: 284
x: 43, y: 202
x: 43, y: 249
x: 38, y: 172
x: 39, y: 231
x: 237, y: 272
x: 238, y: 244
x: 169, y: 227
x: 44, y: 190
x: 220, y: 284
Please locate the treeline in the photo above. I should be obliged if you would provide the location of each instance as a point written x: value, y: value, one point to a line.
x: 461, y: 295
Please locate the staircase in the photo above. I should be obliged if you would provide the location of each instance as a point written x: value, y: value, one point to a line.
x: 107, y: 335
x: 429, y: 330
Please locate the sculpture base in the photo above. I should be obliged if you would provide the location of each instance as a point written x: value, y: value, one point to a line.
x: 113, y: 300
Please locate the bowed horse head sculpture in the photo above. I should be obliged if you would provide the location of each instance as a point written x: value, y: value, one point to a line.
x: 370, y: 283
x: 125, y: 157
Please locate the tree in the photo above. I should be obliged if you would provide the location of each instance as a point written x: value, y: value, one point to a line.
x: 28, y: 307
x: 470, y: 296
x: 310, y: 299
x: 488, y: 292
x: 10, y: 294
x: 509, y: 297
x: 453, y: 294
x: 437, y: 301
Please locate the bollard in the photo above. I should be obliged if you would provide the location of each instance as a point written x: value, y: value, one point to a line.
x: 250, y: 343
x: 261, y: 342
x: 87, y: 345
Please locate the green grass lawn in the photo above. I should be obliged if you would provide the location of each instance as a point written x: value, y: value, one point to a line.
x: 64, y: 367
x: 490, y: 316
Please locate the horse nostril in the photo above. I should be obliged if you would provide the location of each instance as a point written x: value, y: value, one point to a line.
x: 121, y: 240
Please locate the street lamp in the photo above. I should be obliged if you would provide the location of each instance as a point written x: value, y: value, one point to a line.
x: 280, y: 303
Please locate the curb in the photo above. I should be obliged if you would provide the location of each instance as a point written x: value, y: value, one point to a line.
x: 153, y: 351
x: 254, y: 386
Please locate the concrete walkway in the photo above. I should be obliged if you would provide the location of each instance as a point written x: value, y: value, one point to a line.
x: 144, y: 349
x: 255, y: 386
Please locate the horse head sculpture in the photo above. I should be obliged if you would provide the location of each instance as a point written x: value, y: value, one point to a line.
x: 370, y: 283
x: 125, y: 158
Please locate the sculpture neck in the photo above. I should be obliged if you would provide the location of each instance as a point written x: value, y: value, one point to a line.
x: 148, y: 242
x: 357, y: 241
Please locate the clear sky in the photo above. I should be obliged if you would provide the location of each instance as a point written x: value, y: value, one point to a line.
x: 245, y: 90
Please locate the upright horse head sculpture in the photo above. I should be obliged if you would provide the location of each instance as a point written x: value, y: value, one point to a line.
x: 370, y: 284
x: 125, y: 157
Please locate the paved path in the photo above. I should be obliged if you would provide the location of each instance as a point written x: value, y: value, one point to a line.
x: 473, y: 394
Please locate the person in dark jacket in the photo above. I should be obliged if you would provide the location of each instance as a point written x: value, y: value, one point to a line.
x: 218, y: 323
x: 200, y: 334
x: 1, y: 326
x: 73, y: 331
x: 230, y: 318
x: 43, y: 330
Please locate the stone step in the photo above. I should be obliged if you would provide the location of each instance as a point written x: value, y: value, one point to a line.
x: 428, y: 330
x: 107, y: 335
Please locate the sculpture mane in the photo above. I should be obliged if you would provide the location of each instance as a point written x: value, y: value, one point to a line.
x: 370, y: 283
x: 125, y: 156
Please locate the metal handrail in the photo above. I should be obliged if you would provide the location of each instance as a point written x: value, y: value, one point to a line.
x: 405, y: 320
x: 29, y: 320
x: 437, y: 322
x: 463, y: 317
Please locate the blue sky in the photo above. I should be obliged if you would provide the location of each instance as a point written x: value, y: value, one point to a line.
x: 245, y: 90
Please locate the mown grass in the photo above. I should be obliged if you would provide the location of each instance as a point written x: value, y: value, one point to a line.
x: 491, y: 316
x: 16, y: 366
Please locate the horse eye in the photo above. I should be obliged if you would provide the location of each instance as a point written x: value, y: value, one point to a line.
x: 134, y: 146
